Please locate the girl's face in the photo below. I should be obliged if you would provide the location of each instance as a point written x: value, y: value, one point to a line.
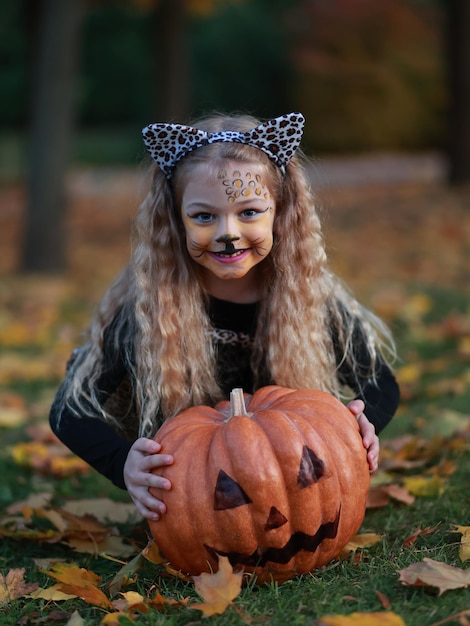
x: 228, y: 217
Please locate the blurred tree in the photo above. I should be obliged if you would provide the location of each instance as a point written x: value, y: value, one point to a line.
x: 55, y: 26
x: 458, y: 34
x: 171, y: 67
x: 369, y: 74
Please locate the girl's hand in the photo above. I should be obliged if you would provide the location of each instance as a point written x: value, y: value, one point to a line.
x: 369, y: 438
x: 143, y: 457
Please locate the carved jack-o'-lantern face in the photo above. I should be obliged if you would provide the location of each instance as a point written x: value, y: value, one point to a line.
x: 279, y: 490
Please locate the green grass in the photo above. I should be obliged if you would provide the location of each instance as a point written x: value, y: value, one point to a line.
x: 342, y: 587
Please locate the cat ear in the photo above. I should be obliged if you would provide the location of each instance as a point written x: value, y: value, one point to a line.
x: 168, y: 143
x: 279, y: 138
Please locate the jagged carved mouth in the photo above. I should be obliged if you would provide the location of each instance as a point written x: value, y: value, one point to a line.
x: 299, y: 541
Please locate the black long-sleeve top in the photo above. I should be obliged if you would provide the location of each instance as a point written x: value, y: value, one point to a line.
x: 100, y: 445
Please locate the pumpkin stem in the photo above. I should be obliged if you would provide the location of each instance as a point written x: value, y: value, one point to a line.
x: 237, y: 402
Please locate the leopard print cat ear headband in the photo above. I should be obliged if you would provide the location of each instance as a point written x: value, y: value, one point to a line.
x: 279, y: 138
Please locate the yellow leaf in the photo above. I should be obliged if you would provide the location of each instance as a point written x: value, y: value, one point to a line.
x: 409, y: 374
x: 51, y: 594
x: 361, y: 541
x: 217, y: 590
x: 135, y: 601
x: 152, y: 553
x: 112, y: 619
x: 432, y: 486
x: 63, y: 466
x: 386, y: 618
x: 11, y: 416
x: 464, y: 550
x: 80, y: 582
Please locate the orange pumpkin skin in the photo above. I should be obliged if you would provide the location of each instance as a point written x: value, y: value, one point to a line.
x: 280, y: 491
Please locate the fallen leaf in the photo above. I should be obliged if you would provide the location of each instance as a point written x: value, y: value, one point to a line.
x: 432, y: 486
x: 381, y: 495
x: 361, y: 541
x: 418, y: 532
x: 217, y: 590
x: 386, y: 618
x: 75, y: 620
x: 122, y: 577
x: 152, y: 553
x: 105, y: 510
x: 33, y: 501
x: 80, y: 582
x: 53, y: 594
x: 399, y: 493
x: 14, y: 586
x: 384, y: 600
x: 431, y: 573
x: 464, y: 550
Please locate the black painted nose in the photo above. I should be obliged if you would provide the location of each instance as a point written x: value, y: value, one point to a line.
x: 227, y: 239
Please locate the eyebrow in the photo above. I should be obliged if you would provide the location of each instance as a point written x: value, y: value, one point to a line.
x: 207, y: 206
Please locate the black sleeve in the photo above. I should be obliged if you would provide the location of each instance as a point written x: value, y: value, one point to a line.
x: 93, y: 440
x: 380, y: 393
x: 90, y: 437
x: 380, y: 397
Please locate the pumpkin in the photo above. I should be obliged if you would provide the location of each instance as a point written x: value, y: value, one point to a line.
x: 279, y: 488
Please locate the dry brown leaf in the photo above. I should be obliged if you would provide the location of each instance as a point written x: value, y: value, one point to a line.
x: 13, y: 586
x: 384, y: 600
x: 386, y: 618
x: 33, y: 501
x: 105, y: 510
x: 464, y: 550
x: 430, y: 573
x: 381, y: 495
x: 217, y: 590
x: 418, y: 532
x: 399, y: 493
x: 75, y: 620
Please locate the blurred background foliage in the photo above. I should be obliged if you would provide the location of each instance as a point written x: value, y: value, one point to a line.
x: 368, y: 74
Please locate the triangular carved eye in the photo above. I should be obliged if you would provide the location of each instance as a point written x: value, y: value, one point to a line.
x: 311, y: 468
x: 228, y: 493
x: 275, y: 520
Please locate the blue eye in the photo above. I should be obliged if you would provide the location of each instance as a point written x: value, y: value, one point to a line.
x: 203, y: 218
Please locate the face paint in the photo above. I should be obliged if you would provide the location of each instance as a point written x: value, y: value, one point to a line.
x: 248, y: 187
x: 228, y: 219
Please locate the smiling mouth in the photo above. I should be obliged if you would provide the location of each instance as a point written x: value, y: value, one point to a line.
x: 230, y: 254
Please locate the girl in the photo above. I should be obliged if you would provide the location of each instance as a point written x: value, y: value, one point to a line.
x: 228, y: 286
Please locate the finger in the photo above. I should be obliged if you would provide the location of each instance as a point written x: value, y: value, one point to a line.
x: 147, y: 479
x: 153, y: 461
x: 372, y: 459
x: 146, y: 446
x: 356, y: 407
x: 147, y: 505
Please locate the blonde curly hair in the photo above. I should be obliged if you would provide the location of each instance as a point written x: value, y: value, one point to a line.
x: 167, y: 345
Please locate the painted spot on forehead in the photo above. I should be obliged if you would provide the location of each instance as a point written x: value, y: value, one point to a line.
x: 245, y: 186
